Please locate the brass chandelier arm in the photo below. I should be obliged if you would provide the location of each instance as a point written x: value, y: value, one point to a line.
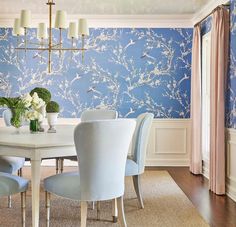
x: 46, y: 41
x: 53, y: 49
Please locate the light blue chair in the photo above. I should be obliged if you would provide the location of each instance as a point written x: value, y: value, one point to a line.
x: 102, y: 148
x: 10, y: 184
x: 136, y: 163
x: 10, y: 164
x: 98, y: 114
x: 90, y: 115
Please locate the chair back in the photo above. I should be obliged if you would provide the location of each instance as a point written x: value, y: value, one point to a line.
x: 102, y: 148
x: 7, y: 115
x: 140, y: 139
x: 98, y: 114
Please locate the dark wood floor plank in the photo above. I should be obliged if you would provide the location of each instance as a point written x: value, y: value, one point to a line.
x: 218, y: 211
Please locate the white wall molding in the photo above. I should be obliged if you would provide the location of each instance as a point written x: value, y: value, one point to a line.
x: 169, y: 142
x: 206, y: 10
x: 113, y: 21
x: 231, y: 159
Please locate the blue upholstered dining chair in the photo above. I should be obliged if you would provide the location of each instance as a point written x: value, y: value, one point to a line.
x: 98, y: 114
x: 10, y: 184
x: 136, y: 163
x: 102, y: 148
x: 10, y: 164
x: 91, y: 115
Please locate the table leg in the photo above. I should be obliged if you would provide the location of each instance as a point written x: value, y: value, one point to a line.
x: 35, y: 185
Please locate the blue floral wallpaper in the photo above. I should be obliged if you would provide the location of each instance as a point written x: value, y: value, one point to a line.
x: 231, y: 85
x: 206, y: 25
x: 131, y: 70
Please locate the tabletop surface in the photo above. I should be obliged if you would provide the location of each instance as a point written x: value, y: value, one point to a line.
x: 63, y: 137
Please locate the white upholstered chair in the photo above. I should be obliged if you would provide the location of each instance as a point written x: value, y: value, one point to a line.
x: 136, y: 163
x: 98, y: 114
x: 10, y: 184
x: 90, y: 115
x: 102, y: 148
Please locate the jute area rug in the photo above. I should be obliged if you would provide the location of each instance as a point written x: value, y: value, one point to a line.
x: 165, y: 206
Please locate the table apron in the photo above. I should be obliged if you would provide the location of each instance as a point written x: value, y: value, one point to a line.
x: 37, y: 153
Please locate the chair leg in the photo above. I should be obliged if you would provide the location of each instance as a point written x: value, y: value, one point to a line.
x: 62, y: 164
x: 114, y: 210
x: 19, y: 172
x: 84, y: 207
x: 121, y: 213
x: 93, y: 205
x: 137, y: 187
x: 23, y: 205
x: 57, y: 165
x: 9, y: 201
x: 47, y: 199
x: 98, y: 210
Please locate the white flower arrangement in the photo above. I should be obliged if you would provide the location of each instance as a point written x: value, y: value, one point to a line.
x: 34, y: 106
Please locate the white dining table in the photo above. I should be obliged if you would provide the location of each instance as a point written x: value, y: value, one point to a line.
x: 36, y: 147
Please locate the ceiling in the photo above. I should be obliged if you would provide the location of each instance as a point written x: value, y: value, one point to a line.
x: 107, y: 7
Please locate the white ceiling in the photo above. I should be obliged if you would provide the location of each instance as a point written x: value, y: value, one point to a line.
x: 106, y: 7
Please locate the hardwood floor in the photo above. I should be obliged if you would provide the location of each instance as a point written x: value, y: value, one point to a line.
x: 218, y: 211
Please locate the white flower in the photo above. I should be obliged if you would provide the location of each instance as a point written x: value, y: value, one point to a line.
x: 27, y: 99
x: 33, y: 115
x: 37, y: 102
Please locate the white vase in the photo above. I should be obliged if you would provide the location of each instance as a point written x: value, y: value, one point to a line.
x: 52, y: 121
x: 43, y: 112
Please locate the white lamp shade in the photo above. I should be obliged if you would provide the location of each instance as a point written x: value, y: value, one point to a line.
x: 83, y: 27
x: 17, y: 29
x: 42, y: 31
x: 25, y: 19
x: 73, y: 30
x: 61, y: 19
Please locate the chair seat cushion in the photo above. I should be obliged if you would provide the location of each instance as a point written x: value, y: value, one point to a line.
x: 11, y: 164
x: 131, y: 168
x: 11, y: 184
x: 66, y: 185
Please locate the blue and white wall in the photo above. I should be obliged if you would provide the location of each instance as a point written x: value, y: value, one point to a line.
x: 231, y: 84
x: 131, y: 70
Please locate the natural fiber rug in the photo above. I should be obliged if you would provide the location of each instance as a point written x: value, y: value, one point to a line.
x: 165, y: 206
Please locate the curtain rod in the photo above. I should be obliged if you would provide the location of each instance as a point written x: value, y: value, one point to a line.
x: 220, y: 6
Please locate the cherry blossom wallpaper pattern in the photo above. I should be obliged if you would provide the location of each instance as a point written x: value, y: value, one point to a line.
x: 130, y: 70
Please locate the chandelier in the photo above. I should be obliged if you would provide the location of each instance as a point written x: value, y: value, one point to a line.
x: 44, y: 34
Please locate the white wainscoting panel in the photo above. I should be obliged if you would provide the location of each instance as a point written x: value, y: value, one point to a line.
x: 169, y: 142
x: 231, y: 163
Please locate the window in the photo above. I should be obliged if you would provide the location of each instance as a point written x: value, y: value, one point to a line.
x: 206, y: 51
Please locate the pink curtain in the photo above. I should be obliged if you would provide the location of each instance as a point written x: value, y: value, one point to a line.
x: 219, y: 65
x: 196, y: 154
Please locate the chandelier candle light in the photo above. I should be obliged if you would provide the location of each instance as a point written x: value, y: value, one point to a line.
x: 43, y: 33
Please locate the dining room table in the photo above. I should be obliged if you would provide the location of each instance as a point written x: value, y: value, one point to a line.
x: 37, y: 146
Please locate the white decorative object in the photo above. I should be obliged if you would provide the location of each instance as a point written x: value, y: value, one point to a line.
x: 25, y: 19
x: 42, y: 31
x: 73, y: 31
x: 83, y: 27
x: 52, y: 121
x: 17, y: 29
x: 61, y: 19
